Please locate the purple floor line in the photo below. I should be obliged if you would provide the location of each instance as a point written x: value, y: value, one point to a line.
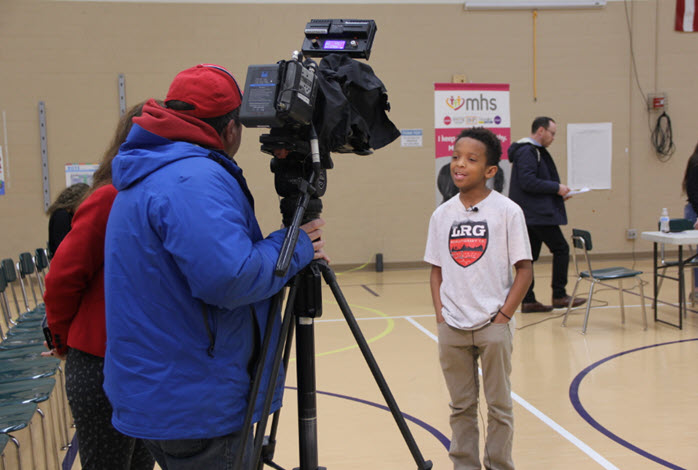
x: 429, y: 428
x: 576, y: 402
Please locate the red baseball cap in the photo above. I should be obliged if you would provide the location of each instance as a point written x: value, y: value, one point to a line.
x: 210, y: 89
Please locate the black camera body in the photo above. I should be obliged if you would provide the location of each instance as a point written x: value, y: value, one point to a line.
x: 313, y: 109
x: 282, y: 95
x: 279, y: 95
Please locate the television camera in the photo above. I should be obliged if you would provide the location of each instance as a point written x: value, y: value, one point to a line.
x: 313, y: 109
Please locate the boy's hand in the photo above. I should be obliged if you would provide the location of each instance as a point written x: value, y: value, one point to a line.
x: 501, y: 318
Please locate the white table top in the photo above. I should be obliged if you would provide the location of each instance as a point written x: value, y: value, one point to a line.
x: 687, y: 237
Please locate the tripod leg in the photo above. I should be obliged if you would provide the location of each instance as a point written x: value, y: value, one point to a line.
x: 331, y: 281
x: 308, y: 306
x: 276, y: 366
x: 259, y: 370
x: 270, y: 444
x: 307, y: 394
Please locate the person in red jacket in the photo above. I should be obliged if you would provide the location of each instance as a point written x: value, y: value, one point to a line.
x: 74, y: 299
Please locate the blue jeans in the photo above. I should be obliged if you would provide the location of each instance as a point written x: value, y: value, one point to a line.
x: 217, y: 453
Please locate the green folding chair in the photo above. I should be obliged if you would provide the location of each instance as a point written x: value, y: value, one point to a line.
x: 581, y: 241
x: 35, y: 391
x: 14, y: 418
x: 41, y: 263
x: 10, y: 274
x: 26, y: 268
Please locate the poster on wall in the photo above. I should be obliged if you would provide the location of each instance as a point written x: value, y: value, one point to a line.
x: 589, y: 155
x: 461, y: 105
x: 411, y: 138
x: 79, y: 173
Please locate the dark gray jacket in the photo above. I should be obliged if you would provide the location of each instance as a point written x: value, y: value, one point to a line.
x: 534, y: 184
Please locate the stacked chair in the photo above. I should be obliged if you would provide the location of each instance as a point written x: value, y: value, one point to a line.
x: 34, y: 415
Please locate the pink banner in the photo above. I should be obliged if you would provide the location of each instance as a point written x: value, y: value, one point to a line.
x: 461, y: 105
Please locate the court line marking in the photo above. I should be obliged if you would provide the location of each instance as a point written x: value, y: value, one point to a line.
x: 577, y: 403
x: 540, y: 415
x: 422, y: 424
x: 388, y: 329
x: 374, y: 293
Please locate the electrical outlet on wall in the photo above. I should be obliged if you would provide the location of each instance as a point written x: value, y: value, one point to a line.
x: 631, y: 234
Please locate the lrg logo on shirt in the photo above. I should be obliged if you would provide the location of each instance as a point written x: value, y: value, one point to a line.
x: 467, y: 242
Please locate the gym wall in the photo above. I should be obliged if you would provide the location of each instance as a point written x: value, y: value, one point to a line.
x: 69, y: 55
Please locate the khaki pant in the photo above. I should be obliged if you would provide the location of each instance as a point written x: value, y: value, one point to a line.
x: 459, y: 351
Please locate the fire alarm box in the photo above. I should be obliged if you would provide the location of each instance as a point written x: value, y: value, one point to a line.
x: 656, y: 101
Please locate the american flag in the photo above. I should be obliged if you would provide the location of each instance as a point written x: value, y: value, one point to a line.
x: 686, y: 18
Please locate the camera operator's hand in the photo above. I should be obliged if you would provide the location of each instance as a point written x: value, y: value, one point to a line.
x: 314, y: 231
x: 281, y: 153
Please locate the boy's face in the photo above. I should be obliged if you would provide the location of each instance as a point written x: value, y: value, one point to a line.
x: 469, y: 168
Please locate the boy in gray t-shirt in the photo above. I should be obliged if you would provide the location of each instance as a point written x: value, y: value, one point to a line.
x: 474, y: 240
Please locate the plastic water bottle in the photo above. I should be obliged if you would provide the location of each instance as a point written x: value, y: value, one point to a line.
x: 664, y: 221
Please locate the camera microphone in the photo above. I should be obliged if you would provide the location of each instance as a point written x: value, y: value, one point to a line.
x: 471, y: 209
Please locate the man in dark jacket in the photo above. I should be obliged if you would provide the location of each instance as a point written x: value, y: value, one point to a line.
x: 535, y: 186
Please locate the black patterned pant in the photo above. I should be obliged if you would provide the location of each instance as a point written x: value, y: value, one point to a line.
x: 101, y: 447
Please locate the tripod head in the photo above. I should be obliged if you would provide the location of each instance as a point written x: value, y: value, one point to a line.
x: 291, y: 182
x: 298, y: 180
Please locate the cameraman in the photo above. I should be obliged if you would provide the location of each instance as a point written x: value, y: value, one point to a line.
x: 188, y: 278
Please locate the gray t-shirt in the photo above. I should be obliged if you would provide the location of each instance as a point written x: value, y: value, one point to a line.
x: 476, y: 251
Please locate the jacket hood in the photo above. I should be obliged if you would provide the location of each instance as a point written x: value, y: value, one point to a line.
x: 175, y: 125
x: 518, y: 144
x: 144, y: 152
x: 150, y: 145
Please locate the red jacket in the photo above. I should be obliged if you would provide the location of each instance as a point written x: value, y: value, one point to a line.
x: 74, y: 295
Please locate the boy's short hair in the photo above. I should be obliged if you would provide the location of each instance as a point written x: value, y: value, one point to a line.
x: 489, y: 139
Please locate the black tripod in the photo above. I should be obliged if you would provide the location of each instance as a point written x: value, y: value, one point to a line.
x: 304, y: 304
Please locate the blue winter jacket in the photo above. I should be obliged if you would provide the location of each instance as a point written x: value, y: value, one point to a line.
x: 534, y: 184
x: 188, y: 277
